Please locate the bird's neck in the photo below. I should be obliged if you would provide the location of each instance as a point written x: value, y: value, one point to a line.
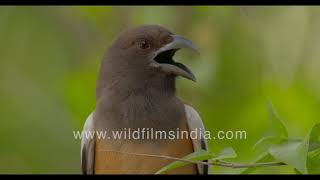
x: 150, y: 103
x: 135, y: 83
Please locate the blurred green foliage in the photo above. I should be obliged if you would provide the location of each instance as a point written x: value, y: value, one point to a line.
x: 50, y: 56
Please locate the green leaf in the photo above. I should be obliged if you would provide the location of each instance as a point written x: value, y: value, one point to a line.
x: 314, y: 146
x: 314, y: 136
x: 278, y: 128
x: 296, y: 171
x: 265, y: 142
x: 313, y: 162
x: 226, y: 153
x: 195, y: 156
x: 293, y: 153
x: 199, y: 156
x: 313, y: 158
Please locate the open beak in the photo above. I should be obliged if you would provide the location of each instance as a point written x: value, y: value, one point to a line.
x: 163, y: 57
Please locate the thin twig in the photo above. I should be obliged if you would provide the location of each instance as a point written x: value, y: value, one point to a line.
x: 263, y: 164
x: 216, y: 163
x: 160, y: 156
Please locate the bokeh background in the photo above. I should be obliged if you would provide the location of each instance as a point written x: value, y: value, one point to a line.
x: 50, y: 56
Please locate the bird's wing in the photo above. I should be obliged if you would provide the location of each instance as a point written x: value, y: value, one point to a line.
x: 88, y: 147
x: 195, y: 124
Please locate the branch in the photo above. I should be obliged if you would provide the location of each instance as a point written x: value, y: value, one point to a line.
x: 237, y: 165
x: 216, y: 163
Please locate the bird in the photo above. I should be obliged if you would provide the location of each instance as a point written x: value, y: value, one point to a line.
x: 136, y: 88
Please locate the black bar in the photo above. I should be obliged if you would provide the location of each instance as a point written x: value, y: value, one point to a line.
x: 159, y: 2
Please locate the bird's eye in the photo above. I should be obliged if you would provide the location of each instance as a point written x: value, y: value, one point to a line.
x: 143, y: 44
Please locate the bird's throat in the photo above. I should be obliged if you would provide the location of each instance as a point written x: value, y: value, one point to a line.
x: 151, y: 104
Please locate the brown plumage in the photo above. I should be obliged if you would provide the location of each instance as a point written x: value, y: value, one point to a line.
x: 136, y: 89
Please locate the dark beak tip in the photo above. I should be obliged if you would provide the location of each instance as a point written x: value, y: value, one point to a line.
x: 194, y: 79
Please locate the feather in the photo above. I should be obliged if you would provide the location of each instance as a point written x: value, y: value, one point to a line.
x: 88, y: 147
x: 195, y: 124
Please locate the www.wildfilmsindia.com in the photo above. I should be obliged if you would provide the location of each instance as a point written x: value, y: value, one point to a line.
x: 150, y: 133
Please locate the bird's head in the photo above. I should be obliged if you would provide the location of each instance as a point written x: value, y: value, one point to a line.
x: 150, y: 49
